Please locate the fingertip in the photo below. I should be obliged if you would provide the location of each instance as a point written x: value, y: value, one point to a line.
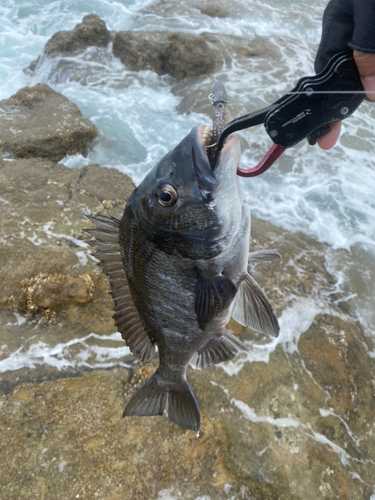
x: 366, y: 67
x: 369, y: 86
x: 329, y: 140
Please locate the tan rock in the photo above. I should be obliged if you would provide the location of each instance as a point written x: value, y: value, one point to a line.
x: 179, y: 54
x: 39, y: 122
x: 297, y: 425
x: 92, y: 31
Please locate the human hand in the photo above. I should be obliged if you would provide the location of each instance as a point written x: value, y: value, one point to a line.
x: 348, y: 24
x: 366, y: 67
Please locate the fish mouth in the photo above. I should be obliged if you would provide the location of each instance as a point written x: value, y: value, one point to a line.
x: 209, y: 176
x: 205, y: 139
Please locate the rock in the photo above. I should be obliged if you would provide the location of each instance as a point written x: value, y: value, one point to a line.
x: 92, y: 31
x: 231, y: 45
x: 226, y: 48
x: 213, y: 10
x: 39, y: 122
x: 45, y: 291
x: 193, y: 8
x: 43, y: 228
x: 291, y: 419
x: 47, y: 274
x: 261, y: 436
x: 179, y: 54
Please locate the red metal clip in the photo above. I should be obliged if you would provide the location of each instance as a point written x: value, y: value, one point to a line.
x: 269, y: 158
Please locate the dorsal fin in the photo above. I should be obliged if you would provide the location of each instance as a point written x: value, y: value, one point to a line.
x: 129, y: 324
x: 212, y: 296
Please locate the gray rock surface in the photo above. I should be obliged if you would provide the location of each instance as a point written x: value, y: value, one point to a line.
x: 179, y: 54
x: 92, y: 31
x: 296, y: 423
x: 213, y: 10
x: 39, y: 122
x: 219, y: 8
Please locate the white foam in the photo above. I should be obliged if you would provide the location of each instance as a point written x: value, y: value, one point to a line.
x: 20, y: 320
x: 326, y: 413
x: 320, y: 438
x: 74, y: 353
x: 167, y: 495
x: 250, y: 414
x: 293, y: 321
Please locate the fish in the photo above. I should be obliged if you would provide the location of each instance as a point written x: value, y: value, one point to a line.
x: 177, y: 264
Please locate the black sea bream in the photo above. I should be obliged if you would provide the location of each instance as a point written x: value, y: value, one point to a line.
x: 177, y: 265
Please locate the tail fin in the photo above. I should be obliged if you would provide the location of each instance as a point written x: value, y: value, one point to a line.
x: 183, y: 408
x: 151, y: 398
x: 148, y: 401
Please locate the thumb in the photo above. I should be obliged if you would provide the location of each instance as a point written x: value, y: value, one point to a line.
x: 366, y: 67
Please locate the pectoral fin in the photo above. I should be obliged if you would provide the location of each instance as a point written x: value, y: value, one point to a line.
x: 252, y: 308
x: 263, y: 256
x: 212, y: 296
x: 219, y: 349
x: 108, y: 251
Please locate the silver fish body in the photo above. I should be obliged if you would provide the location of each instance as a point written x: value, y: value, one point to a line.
x: 177, y: 264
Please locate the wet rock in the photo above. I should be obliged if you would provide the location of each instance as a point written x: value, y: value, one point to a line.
x: 267, y: 433
x: 179, y: 54
x: 182, y: 55
x: 47, y: 274
x: 81, y: 55
x: 193, y: 8
x: 41, y: 226
x: 226, y: 47
x: 291, y: 419
x: 92, y: 31
x: 213, y: 10
x: 39, y: 122
x: 46, y: 291
x: 88, y: 41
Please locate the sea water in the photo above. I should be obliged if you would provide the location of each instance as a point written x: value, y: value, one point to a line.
x: 140, y: 117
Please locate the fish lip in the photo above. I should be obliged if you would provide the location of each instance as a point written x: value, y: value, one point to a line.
x: 207, y: 181
x: 230, y: 146
x: 208, y: 178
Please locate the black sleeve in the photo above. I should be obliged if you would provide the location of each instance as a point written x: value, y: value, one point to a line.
x: 364, y: 26
x: 346, y: 23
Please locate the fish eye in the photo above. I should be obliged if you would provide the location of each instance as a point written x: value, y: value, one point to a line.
x: 166, y: 196
x: 220, y: 105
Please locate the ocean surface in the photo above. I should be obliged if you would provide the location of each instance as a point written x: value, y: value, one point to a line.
x: 141, y: 116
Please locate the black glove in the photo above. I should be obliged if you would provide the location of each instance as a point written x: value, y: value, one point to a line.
x: 346, y: 24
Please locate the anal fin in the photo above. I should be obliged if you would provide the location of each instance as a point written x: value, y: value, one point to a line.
x: 252, y: 308
x: 219, y: 349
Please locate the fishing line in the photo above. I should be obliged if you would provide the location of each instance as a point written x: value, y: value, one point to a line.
x: 305, y: 92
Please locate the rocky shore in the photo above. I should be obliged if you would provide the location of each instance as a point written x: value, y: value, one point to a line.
x: 292, y: 420
x: 179, y: 55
